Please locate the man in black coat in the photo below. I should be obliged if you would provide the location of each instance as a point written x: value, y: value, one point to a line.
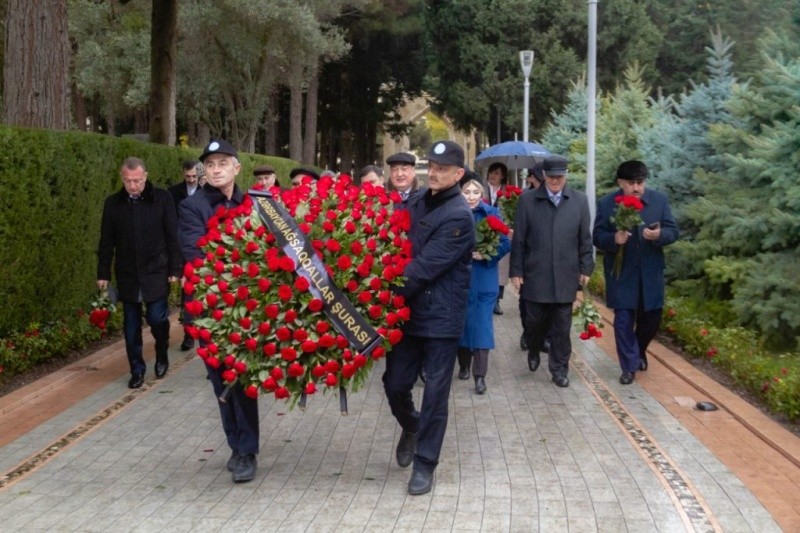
x: 139, y: 232
x: 551, y: 257
x: 436, y: 288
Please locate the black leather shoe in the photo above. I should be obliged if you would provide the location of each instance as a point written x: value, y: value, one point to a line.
x: 187, y: 344
x: 420, y: 483
x: 533, y: 360
x: 643, y: 363
x: 497, y: 309
x: 406, y: 447
x: 561, y: 381
x: 161, y: 368
x: 233, y: 461
x: 626, y: 378
x: 245, y: 469
x: 136, y: 381
x: 463, y: 373
x: 523, y: 343
x: 546, y: 345
x: 480, y: 385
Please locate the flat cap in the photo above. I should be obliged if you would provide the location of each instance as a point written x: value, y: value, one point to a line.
x: 447, y: 153
x: 555, y: 165
x: 401, y: 158
x: 263, y: 169
x: 304, y: 171
x: 218, y: 146
x: 632, y: 170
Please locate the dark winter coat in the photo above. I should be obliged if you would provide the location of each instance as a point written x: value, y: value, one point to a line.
x: 479, y: 326
x: 142, y: 239
x: 178, y: 193
x: 442, y: 236
x: 194, y: 213
x: 552, y: 246
x: 643, y: 260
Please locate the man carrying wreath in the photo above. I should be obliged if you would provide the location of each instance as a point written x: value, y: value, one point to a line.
x: 636, y: 292
x: 239, y: 413
x: 436, y: 287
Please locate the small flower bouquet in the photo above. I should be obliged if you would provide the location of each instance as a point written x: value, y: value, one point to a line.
x: 487, y: 236
x: 626, y: 218
x: 589, y: 318
x: 280, y: 309
x: 101, y: 309
x: 507, y: 199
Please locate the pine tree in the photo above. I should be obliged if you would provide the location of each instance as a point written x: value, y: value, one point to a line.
x: 566, y: 133
x: 748, y: 244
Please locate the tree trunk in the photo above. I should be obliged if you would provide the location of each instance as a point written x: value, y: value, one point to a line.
x: 310, y: 137
x: 271, y: 125
x: 163, y: 71
x: 296, y: 114
x: 36, y: 84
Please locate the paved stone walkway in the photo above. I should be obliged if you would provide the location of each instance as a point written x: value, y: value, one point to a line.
x: 526, y: 456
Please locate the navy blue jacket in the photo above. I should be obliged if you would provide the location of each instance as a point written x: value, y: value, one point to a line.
x: 442, y: 236
x: 194, y: 213
x: 643, y: 260
x: 142, y: 239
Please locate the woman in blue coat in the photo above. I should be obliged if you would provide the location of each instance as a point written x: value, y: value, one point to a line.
x: 478, y: 336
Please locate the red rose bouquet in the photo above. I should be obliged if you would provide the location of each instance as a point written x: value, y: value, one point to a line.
x: 626, y: 218
x: 589, y: 318
x: 487, y: 236
x: 507, y: 199
x: 264, y: 318
x: 101, y: 309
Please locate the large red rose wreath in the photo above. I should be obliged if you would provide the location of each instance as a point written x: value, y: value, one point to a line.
x: 262, y: 321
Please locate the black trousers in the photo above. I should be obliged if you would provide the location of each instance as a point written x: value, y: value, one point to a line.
x: 553, y: 320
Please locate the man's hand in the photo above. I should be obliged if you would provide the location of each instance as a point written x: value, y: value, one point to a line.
x: 516, y: 282
x: 584, y: 279
x: 651, y: 234
x: 172, y: 279
x: 622, y: 236
x: 102, y: 284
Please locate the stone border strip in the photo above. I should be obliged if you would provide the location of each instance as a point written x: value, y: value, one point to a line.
x: 693, y: 509
x: 51, y: 450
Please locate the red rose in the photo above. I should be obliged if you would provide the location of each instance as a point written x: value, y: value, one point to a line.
x: 213, y: 362
x: 235, y: 337
x: 322, y: 326
x: 264, y: 328
x: 375, y: 312
x: 188, y: 288
x: 341, y: 342
x: 394, y: 336
x: 584, y: 335
x: 363, y: 270
x: 309, y: 346
x: 245, y: 322
x: 217, y: 314
x: 404, y: 313
x: 348, y: 370
x: 222, y: 285
x: 251, y: 247
x: 240, y: 367
x: 269, y: 384
x: 282, y: 393
x: 350, y: 227
x: 253, y: 270
x: 344, y: 262
x: 351, y: 285
x: 295, y: 370
x: 310, y: 388
x: 288, y: 354
x: 330, y: 380
x: 283, y: 333
x: 300, y: 335
x: 327, y: 341
x: 332, y: 245
x: 264, y: 284
x: 290, y: 315
x: 251, y: 344
x: 398, y: 301
x: 378, y: 352
x: 211, y: 299
x: 271, y: 311
x: 251, y: 304
x: 315, y: 305
x: 277, y: 373
x: 359, y: 360
x: 356, y: 248
x: 219, y: 267
x: 188, y: 270
x: 229, y: 376
x: 211, y: 347
x: 285, y: 293
x: 318, y: 371
x: 194, y: 307
x: 229, y: 299
x: 237, y: 271
x: 332, y: 366
x: 301, y: 284
x: 375, y: 284
x: 364, y: 297
x: 242, y: 293
x: 270, y: 349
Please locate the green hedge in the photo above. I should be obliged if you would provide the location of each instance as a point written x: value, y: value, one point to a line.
x: 52, y: 187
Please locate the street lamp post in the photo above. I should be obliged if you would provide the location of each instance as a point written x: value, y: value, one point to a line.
x: 526, y: 60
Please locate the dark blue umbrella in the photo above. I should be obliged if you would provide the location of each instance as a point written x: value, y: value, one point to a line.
x: 513, y: 154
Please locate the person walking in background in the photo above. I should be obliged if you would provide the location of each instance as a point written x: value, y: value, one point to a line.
x: 497, y: 176
x: 442, y: 235
x: 139, y: 233
x: 265, y: 176
x: 402, y: 175
x: 478, y: 336
x: 181, y: 191
x: 239, y: 413
x: 636, y: 292
x: 551, y: 256
x: 371, y: 174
